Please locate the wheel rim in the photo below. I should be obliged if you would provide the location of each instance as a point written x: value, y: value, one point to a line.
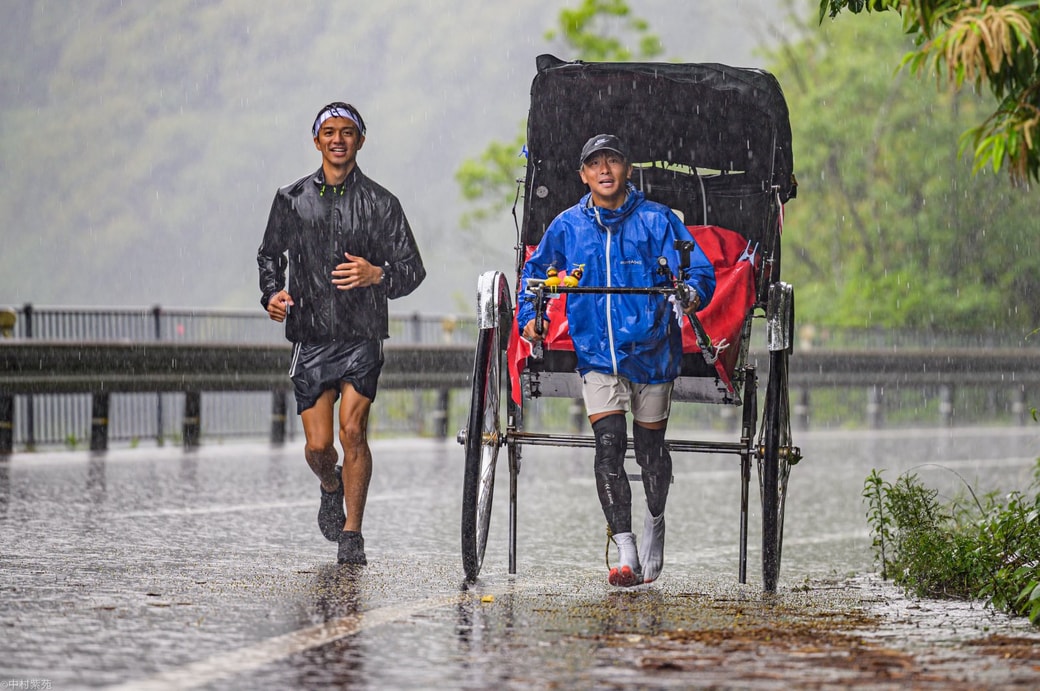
x: 483, y: 438
x: 490, y: 440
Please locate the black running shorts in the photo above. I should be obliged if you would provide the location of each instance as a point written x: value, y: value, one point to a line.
x: 320, y: 367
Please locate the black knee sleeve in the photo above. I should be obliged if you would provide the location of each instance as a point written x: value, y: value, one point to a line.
x: 656, y: 463
x: 615, y: 494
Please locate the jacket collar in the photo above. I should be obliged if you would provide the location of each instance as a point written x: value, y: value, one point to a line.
x: 609, y: 217
x: 319, y: 179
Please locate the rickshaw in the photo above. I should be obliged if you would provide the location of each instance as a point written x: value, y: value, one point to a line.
x: 713, y: 142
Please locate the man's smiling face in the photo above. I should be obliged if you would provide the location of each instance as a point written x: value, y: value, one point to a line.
x: 606, y: 172
x: 339, y: 141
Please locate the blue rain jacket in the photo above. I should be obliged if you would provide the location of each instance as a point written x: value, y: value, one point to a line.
x: 634, y: 336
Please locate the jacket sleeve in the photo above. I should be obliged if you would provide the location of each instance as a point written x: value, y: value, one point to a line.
x: 270, y: 257
x: 403, y: 270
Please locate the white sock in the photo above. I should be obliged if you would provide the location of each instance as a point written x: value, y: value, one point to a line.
x: 651, y: 550
x: 627, y: 554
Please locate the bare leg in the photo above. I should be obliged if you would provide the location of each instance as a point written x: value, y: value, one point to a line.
x: 319, y: 449
x: 357, y: 456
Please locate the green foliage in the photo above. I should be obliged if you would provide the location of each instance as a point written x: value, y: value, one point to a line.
x: 586, y: 31
x: 982, y: 44
x: 879, y: 517
x: 985, y: 548
x: 488, y: 179
x: 891, y: 228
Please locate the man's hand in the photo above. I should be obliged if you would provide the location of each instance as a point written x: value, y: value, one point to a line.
x: 530, y: 334
x: 694, y: 303
x: 356, y: 272
x: 278, y: 306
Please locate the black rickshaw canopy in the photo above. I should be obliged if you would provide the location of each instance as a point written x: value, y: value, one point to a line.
x: 710, y: 140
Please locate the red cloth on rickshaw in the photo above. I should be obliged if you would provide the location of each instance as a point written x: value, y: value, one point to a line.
x: 735, y: 265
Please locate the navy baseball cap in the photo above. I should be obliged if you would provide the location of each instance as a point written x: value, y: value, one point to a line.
x: 602, y: 142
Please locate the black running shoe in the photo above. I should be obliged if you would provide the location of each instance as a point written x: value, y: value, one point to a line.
x: 331, y: 515
x: 351, y: 548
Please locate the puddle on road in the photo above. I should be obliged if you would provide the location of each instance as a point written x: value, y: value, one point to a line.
x: 843, y: 633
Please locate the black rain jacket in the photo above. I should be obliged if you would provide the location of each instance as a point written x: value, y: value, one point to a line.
x: 310, y: 226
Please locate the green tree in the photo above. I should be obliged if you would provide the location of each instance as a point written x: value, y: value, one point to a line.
x: 981, y: 43
x: 595, y: 31
x: 891, y: 228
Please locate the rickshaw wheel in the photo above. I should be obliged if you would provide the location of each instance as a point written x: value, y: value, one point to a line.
x: 484, y: 436
x: 774, y: 466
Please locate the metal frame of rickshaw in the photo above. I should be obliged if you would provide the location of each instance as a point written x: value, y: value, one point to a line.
x: 727, y: 108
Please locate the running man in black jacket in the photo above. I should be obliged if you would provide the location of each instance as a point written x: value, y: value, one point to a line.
x: 348, y: 249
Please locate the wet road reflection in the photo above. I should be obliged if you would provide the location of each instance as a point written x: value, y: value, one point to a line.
x: 156, y: 568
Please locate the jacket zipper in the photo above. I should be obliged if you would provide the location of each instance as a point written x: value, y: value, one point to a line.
x: 334, y: 232
x: 610, y: 283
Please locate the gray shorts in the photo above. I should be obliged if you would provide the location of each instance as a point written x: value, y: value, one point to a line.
x: 320, y: 367
x: 606, y: 392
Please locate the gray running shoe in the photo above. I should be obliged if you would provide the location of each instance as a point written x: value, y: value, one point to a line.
x: 351, y: 548
x: 331, y: 515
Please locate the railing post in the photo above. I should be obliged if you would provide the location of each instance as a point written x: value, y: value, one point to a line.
x: 157, y: 318
x: 417, y: 398
x: 99, y: 422
x: 6, y: 424
x: 8, y: 318
x: 192, y: 413
x: 1018, y: 405
x: 577, y: 414
x: 875, y: 407
x: 30, y: 418
x: 946, y: 405
x: 278, y: 408
x: 801, y: 408
x: 440, y: 416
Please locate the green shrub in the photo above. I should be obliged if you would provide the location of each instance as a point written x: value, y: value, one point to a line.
x: 970, y: 547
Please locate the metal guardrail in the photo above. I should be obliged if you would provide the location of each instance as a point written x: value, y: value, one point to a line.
x: 64, y: 367
x: 104, y: 368
x: 915, y: 367
x: 203, y: 326
x: 232, y: 410
x: 51, y: 367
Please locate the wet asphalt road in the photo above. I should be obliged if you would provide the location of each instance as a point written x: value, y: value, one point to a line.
x: 157, y: 568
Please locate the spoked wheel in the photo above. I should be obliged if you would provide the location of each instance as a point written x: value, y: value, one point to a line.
x: 774, y: 467
x: 484, y: 433
x: 776, y: 455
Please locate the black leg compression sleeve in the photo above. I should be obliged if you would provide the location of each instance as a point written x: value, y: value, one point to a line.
x: 615, y: 494
x: 653, y: 457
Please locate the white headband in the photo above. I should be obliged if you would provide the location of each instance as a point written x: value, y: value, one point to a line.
x: 336, y: 112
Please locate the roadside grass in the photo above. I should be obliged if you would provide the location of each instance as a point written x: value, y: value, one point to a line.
x: 970, y: 547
